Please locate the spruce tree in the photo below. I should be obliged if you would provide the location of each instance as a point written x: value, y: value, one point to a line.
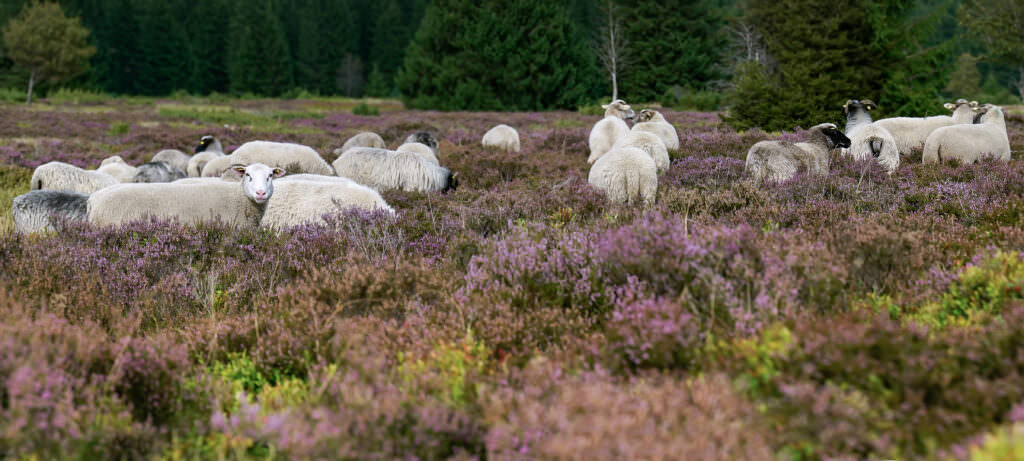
x: 259, y: 59
x: 325, y: 35
x: 165, y: 63
x: 209, y: 45
x: 511, y: 55
x: 388, y: 46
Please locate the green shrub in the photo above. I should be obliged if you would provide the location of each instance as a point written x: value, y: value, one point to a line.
x: 591, y: 109
x: 985, y: 287
x: 365, y: 109
x: 686, y: 98
x: 77, y: 96
x: 11, y: 95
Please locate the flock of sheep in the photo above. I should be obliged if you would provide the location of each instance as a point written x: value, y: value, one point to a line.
x: 284, y: 184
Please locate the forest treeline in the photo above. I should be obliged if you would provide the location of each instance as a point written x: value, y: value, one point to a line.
x: 768, y: 60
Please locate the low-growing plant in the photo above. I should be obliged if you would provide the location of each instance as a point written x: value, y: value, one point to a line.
x: 365, y: 109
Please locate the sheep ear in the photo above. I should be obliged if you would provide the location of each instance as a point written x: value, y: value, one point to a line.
x: 949, y: 105
x: 604, y: 106
x: 278, y: 172
x: 869, y: 104
x: 239, y: 169
x: 974, y: 103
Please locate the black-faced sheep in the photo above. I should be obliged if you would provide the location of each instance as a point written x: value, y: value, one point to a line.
x: 868, y: 140
x: 384, y: 170
x: 208, y: 149
x: 781, y: 160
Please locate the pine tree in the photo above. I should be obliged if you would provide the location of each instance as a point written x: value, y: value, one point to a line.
x: 259, y: 60
x: 209, y: 45
x: 512, y: 55
x: 326, y: 34
x: 388, y: 46
x: 167, y: 62
x: 672, y: 43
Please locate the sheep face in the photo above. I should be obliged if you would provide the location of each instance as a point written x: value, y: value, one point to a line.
x: 833, y: 137
x: 646, y: 115
x: 852, y: 105
x: 204, y: 143
x: 452, y: 183
x: 257, y: 180
x: 619, y: 108
x: 423, y: 137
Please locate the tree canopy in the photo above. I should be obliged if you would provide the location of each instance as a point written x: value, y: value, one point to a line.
x: 49, y: 45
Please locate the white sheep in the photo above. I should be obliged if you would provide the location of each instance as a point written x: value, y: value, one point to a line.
x: 420, y: 149
x: 363, y: 139
x: 650, y: 143
x: 868, y: 140
x: 292, y: 157
x: 189, y: 201
x: 208, y: 149
x: 426, y: 138
x: 384, y: 169
x: 33, y: 211
x: 116, y: 167
x: 157, y: 172
x: 62, y: 176
x: 503, y: 137
x: 610, y: 129
x: 652, y: 121
x: 970, y: 143
x: 910, y: 133
x: 780, y: 160
x: 305, y: 199
x: 626, y: 175
x: 173, y: 157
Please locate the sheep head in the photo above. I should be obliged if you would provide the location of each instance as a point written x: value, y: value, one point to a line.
x: 833, y: 136
x: 619, y: 108
x: 647, y: 115
x: 257, y: 180
x: 206, y: 142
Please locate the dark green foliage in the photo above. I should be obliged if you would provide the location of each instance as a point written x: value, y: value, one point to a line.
x: 670, y: 43
x: 259, y: 61
x: 324, y: 36
x: 390, y: 38
x: 206, y: 27
x: 166, y: 63
x: 965, y: 82
x: 517, y: 55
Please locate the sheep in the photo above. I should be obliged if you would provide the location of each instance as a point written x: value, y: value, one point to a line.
x: 157, y: 172
x: 293, y: 157
x: 33, y: 210
x: 610, y: 129
x: 364, y: 139
x: 305, y: 199
x: 194, y: 200
x: 970, y: 143
x: 383, y: 170
x: 116, y: 167
x: 422, y: 150
x: 652, y: 121
x: 62, y: 176
x: 910, y: 133
x: 208, y: 149
x: 503, y: 137
x: 424, y: 137
x: 650, y: 143
x: 173, y: 157
x: 627, y: 175
x: 780, y: 160
x: 868, y: 140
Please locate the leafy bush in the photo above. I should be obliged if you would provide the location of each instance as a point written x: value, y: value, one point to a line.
x: 365, y: 109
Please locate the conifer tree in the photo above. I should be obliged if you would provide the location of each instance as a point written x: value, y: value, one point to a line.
x: 166, y: 61
x: 388, y: 46
x: 206, y: 27
x: 259, y: 59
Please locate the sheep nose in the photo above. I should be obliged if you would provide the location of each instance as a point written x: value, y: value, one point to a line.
x: 261, y: 194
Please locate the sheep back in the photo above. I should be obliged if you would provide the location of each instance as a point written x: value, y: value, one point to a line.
x: 970, y: 143
x: 187, y: 203
x: 199, y: 161
x: 383, y: 170
x: 32, y: 211
x: 605, y: 133
x: 627, y: 175
x: 173, y: 157
x: 363, y: 139
x: 302, y: 201
x: 292, y: 157
x: 63, y: 176
x: 503, y: 137
x: 650, y: 143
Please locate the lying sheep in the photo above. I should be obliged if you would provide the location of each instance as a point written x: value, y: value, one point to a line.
x: 208, y: 149
x: 970, y: 143
x: 115, y: 166
x: 62, y: 176
x: 33, y: 211
x: 422, y: 150
x: 364, y: 139
x: 650, y: 143
x: 627, y: 175
x: 293, y: 157
x: 426, y: 138
x: 910, y: 133
x: 503, y: 137
x: 157, y: 172
x: 189, y: 202
x: 866, y: 139
x: 173, y: 157
x: 384, y: 170
x: 652, y: 121
x: 781, y: 160
x: 610, y: 129
x: 305, y: 199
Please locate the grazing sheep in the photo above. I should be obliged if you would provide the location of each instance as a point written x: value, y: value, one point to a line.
x: 62, y: 176
x: 422, y: 150
x: 173, y: 157
x: 305, y: 199
x: 970, y: 143
x: 650, y: 143
x: 866, y: 139
x: 610, y: 129
x: 780, y: 160
x: 503, y: 137
x: 910, y: 133
x: 627, y: 175
x: 292, y: 157
x: 208, y: 149
x: 192, y: 200
x: 653, y: 122
x: 116, y: 167
x: 384, y: 170
x: 364, y: 139
x: 33, y: 210
x: 157, y: 172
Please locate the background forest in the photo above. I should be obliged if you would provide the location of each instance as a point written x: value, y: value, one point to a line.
x: 770, y: 67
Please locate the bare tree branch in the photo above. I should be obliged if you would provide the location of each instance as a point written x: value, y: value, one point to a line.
x: 612, y: 47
